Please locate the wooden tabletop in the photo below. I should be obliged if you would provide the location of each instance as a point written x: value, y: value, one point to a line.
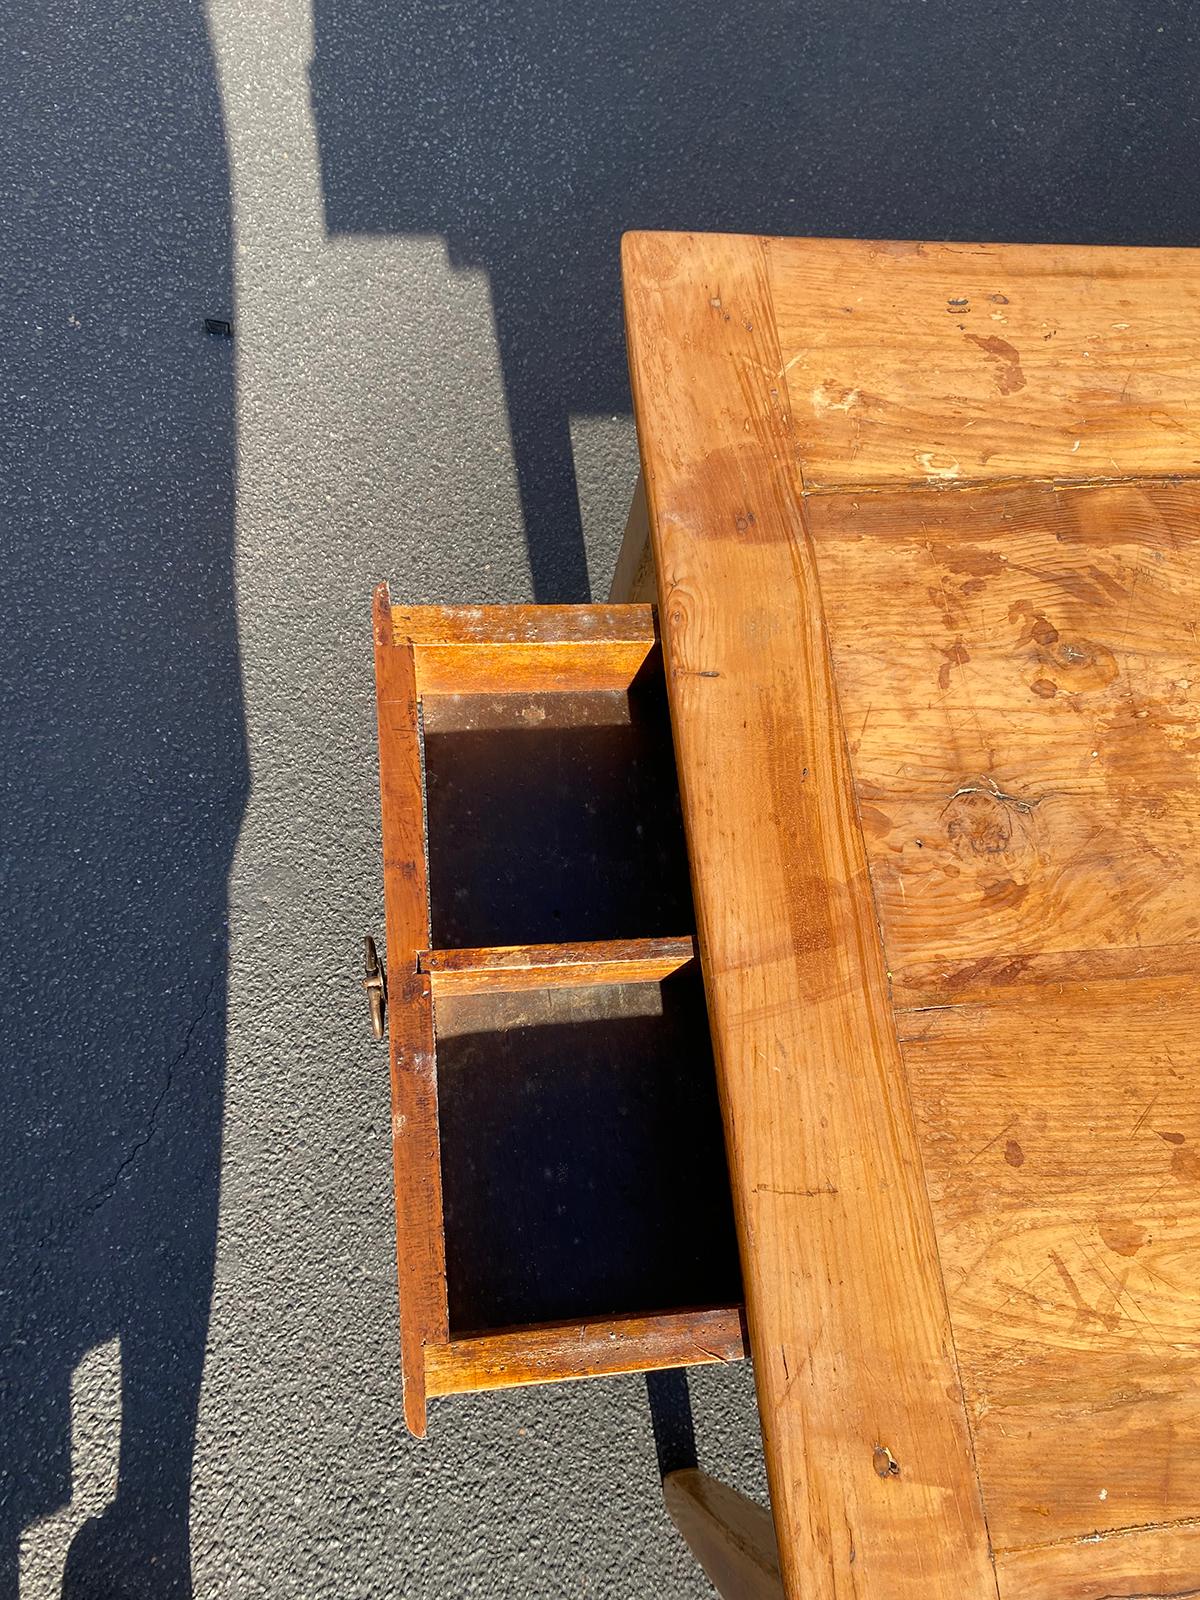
x: 924, y: 519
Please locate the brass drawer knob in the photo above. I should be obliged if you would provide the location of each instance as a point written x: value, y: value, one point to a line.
x: 375, y: 985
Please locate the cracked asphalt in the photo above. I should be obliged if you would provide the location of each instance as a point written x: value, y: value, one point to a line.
x: 411, y: 216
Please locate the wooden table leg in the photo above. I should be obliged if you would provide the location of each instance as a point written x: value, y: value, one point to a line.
x: 634, y: 579
x: 732, y: 1538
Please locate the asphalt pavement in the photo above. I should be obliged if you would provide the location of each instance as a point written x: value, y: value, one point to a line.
x: 410, y: 215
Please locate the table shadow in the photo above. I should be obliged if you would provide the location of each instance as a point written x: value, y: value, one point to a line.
x: 531, y: 136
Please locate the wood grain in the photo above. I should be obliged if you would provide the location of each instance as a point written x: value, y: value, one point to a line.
x: 964, y: 363
x: 995, y: 450
x: 420, y: 1243
x: 525, y: 649
x: 946, y: 980
x: 868, y: 1455
x: 1061, y: 1132
x: 732, y: 1538
x: 1016, y: 670
x: 507, y: 968
x: 600, y: 1347
x: 1019, y: 673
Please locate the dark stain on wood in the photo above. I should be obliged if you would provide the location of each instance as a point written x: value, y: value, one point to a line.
x: 1008, y: 375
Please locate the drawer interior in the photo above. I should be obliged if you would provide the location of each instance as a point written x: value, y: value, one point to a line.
x: 553, y: 816
x: 563, y: 1206
x: 582, y: 1162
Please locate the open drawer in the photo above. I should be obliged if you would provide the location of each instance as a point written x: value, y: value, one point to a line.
x: 562, y: 1202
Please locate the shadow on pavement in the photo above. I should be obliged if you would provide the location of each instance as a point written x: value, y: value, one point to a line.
x: 125, y: 770
x: 531, y: 136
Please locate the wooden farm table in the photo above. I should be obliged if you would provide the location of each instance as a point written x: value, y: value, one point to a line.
x: 924, y: 522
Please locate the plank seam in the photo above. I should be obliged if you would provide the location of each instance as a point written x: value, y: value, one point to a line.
x: 817, y: 491
x: 1100, y: 1536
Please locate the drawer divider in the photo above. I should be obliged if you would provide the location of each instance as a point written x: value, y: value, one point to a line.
x: 509, y: 968
x: 526, y: 649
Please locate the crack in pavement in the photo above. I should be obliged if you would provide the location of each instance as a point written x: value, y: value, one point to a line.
x: 69, y: 1220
